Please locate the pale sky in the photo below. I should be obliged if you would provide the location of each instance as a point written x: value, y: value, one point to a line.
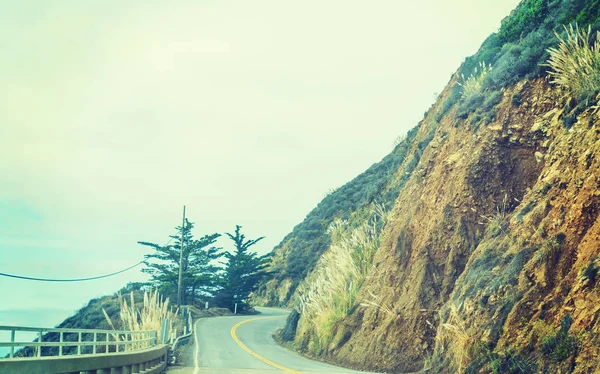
x: 113, y: 114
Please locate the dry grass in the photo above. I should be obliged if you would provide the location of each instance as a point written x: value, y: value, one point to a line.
x: 453, y: 341
x: 575, y: 63
x: 153, y: 311
x: 376, y: 302
x: 473, y: 84
x: 547, y: 251
x: 330, y: 292
x: 496, y: 223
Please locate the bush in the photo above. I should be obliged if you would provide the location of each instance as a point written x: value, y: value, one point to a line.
x: 548, y: 251
x: 590, y: 273
x: 473, y: 84
x: 491, y: 100
x: 470, y: 105
x: 516, y: 99
x: 510, y: 362
x: 560, y: 346
x: 523, y: 20
x: 452, y: 99
x: 330, y: 292
x: 575, y: 63
x: 519, y: 49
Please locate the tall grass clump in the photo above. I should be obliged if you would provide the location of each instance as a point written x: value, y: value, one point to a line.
x: 149, y: 317
x: 473, y: 84
x: 575, y: 62
x: 497, y: 222
x: 454, y: 345
x: 330, y: 292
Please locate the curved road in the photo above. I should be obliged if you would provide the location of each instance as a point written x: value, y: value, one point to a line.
x: 244, y: 345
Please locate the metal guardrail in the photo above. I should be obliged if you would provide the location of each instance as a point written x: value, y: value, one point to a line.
x: 59, y: 350
x: 148, y: 361
x: 75, y: 341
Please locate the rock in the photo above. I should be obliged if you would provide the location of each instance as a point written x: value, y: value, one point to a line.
x: 516, y: 127
x: 538, y: 126
x: 288, y: 333
x: 539, y: 156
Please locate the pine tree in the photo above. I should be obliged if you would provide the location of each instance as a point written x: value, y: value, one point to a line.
x: 200, y: 274
x: 243, y: 271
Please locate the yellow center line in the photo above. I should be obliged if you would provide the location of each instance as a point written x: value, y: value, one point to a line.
x: 263, y: 359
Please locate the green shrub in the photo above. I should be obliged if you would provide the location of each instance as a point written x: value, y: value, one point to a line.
x: 548, y: 250
x: 452, y: 99
x: 469, y: 105
x: 473, y: 84
x: 523, y: 20
x: 575, y: 63
x: 519, y: 48
x: 309, y: 239
x: 510, y: 362
x: 516, y: 99
x: 590, y: 273
x: 491, y: 100
x: 560, y: 346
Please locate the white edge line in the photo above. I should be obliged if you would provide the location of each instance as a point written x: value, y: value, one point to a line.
x: 197, y: 351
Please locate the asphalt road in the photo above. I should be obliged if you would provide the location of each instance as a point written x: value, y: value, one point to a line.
x: 244, y: 345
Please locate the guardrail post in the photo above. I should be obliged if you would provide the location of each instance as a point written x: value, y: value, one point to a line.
x: 12, y: 340
x: 39, y: 353
x: 162, y: 331
x: 129, y: 340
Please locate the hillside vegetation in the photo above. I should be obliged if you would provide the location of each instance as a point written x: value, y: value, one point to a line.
x: 487, y: 260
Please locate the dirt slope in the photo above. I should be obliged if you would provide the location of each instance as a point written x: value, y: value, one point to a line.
x: 489, y: 258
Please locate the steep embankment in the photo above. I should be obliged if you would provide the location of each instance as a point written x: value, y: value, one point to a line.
x: 300, y: 250
x: 488, y: 260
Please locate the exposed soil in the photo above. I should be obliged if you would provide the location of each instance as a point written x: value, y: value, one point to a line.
x: 498, y: 226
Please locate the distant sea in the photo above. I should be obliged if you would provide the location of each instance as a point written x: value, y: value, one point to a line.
x: 33, y: 317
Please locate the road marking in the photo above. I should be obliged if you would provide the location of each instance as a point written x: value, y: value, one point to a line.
x: 196, y: 366
x: 263, y: 359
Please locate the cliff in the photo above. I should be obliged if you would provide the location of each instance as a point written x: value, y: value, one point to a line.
x: 487, y: 260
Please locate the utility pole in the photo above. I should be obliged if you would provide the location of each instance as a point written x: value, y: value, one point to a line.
x: 179, y: 290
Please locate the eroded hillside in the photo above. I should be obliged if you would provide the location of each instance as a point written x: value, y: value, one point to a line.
x: 488, y: 259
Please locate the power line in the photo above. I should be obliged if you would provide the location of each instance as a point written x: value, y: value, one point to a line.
x: 69, y: 280
x: 75, y: 279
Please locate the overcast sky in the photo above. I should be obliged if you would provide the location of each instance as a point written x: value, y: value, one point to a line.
x: 113, y: 114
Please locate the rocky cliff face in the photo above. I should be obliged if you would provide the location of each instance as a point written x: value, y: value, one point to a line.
x: 488, y: 245
x: 489, y: 258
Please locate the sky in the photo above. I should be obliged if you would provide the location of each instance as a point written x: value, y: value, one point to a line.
x: 115, y: 114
